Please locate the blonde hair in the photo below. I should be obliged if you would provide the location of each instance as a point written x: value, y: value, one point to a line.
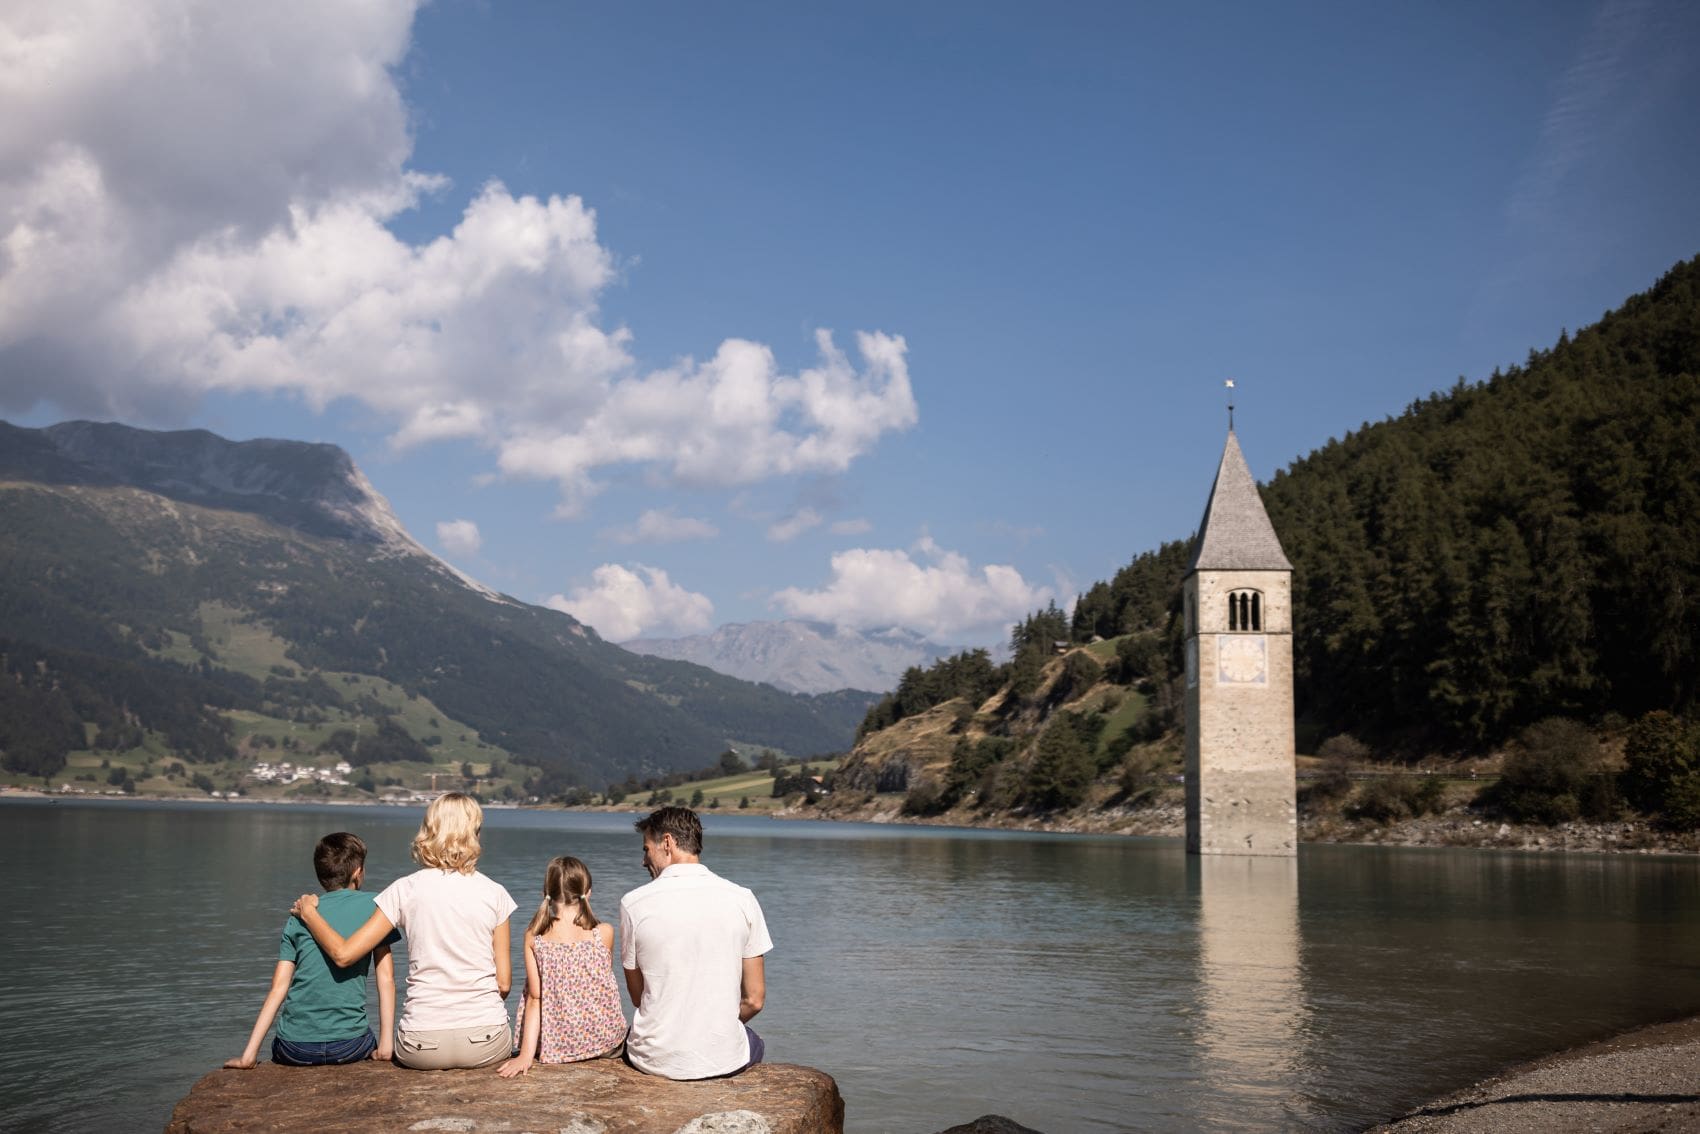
x: 566, y: 883
x: 448, y: 838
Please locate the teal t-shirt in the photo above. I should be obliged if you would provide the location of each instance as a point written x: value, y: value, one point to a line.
x: 325, y: 1003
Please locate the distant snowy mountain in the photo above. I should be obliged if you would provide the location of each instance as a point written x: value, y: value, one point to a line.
x: 802, y: 657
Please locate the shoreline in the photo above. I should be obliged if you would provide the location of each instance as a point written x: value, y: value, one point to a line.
x: 1643, y: 1079
x: 1458, y: 829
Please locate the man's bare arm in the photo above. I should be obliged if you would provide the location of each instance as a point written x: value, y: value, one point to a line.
x: 634, y: 985
x: 754, y: 991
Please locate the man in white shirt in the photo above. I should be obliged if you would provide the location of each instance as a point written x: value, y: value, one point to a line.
x: 692, y: 945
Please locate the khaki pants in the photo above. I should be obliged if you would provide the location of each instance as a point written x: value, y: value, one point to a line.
x: 454, y: 1047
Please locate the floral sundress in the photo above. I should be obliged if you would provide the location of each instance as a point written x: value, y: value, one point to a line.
x: 582, y: 1018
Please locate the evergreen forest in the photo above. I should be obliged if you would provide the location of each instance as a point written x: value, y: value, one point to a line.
x: 1505, y: 551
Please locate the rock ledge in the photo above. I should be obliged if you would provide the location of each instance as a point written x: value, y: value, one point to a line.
x: 602, y: 1096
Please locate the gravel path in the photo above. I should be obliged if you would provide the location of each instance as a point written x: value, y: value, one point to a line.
x: 1641, y: 1081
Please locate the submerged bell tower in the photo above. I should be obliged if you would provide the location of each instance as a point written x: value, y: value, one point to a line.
x: 1239, y: 675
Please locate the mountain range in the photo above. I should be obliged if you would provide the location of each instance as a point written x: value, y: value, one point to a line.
x: 802, y: 657
x: 183, y: 586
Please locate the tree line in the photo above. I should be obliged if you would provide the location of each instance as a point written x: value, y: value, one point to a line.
x: 1502, y: 552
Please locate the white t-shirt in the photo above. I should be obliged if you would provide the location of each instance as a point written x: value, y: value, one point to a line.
x: 448, y: 919
x: 689, y: 932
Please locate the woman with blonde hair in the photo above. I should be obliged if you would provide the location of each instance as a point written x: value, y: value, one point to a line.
x: 455, y: 923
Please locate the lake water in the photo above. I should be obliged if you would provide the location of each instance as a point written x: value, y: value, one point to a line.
x: 1071, y: 983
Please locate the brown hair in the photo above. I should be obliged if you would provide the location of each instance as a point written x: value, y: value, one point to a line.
x: 448, y: 838
x: 680, y: 822
x: 566, y: 883
x: 336, y: 858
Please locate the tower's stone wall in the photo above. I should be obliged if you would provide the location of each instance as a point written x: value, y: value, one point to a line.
x: 1239, y: 717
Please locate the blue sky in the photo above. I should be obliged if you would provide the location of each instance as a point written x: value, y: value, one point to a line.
x: 556, y: 274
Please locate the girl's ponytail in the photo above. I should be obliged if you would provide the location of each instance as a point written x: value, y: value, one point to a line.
x: 545, y: 916
x: 566, y: 884
x: 577, y: 879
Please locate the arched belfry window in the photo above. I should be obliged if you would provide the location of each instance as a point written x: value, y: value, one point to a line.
x: 1245, y: 611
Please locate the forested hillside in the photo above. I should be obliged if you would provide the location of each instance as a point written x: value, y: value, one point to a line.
x: 132, y: 621
x: 1510, y: 549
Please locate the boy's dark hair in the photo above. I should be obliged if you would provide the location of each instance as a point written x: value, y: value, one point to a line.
x: 680, y: 822
x: 336, y: 858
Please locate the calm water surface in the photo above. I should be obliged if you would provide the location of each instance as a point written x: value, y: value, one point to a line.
x: 1075, y: 984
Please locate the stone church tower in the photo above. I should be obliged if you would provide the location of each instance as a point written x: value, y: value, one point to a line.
x: 1239, y: 675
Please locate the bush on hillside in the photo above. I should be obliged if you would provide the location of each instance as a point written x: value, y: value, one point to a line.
x: 1141, y: 776
x: 1339, y: 754
x: 1138, y: 657
x: 1063, y: 769
x: 1661, y: 773
x: 1388, y: 799
x: 925, y: 798
x: 1554, y: 774
x: 1080, y: 672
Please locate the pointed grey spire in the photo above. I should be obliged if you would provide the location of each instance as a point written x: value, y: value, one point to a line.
x: 1235, y: 534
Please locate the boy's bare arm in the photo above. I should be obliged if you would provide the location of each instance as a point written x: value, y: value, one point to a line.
x: 281, y: 976
x: 384, y: 970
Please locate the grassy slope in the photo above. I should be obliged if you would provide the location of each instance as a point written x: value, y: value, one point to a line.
x: 755, y: 785
x: 926, y: 740
x: 239, y: 644
x: 73, y: 582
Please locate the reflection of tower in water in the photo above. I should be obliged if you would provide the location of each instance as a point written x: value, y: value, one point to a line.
x: 1251, y: 1017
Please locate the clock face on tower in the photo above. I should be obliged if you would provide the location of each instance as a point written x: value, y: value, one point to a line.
x: 1242, y: 659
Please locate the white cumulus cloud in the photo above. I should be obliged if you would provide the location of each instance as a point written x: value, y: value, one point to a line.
x: 659, y: 525
x: 794, y: 525
x: 459, y: 537
x: 621, y: 603
x: 927, y: 589
x: 195, y: 196
x: 734, y: 419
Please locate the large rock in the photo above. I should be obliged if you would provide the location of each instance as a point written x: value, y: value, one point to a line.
x: 991, y: 1124
x: 602, y: 1096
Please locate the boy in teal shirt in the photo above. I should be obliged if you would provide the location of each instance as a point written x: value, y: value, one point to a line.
x: 323, y: 1016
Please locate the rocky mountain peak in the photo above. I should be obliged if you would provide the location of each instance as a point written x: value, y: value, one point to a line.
x: 311, y: 487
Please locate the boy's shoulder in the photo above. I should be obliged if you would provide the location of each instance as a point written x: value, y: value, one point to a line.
x: 346, y: 910
x: 346, y: 898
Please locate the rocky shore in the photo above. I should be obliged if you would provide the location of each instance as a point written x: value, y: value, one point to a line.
x: 1457, y: 827
x: 1641, y: 1081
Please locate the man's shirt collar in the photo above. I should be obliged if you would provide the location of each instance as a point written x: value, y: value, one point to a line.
x: 683, y: 870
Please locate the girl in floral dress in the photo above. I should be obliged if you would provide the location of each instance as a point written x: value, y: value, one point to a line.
x: 572, y: 1005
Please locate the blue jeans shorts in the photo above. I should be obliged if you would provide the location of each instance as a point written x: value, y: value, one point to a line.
x: 319, y: 1054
